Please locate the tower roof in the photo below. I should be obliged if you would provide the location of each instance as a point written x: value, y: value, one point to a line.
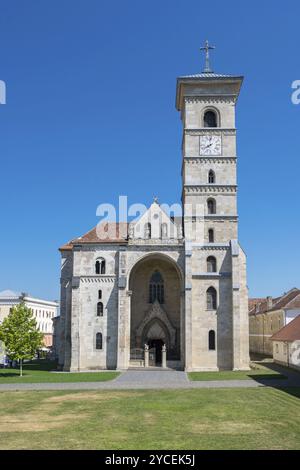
x: 198, y: 85
x: 206, y: 75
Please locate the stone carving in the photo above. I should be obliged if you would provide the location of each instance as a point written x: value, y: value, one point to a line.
x: 157, y: 329
x: 131, y: 231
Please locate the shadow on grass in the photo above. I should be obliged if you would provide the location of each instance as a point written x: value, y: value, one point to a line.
x: 8, y: 375
x: 266, y: 376
x: 39, y: 365
x: 290, y: 386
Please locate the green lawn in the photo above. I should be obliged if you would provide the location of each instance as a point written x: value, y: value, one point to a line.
x: 251, y: 418
x: 258, y: 371
x: 40, y: 371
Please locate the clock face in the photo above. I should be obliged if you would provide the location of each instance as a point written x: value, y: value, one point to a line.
x: 210, y: 145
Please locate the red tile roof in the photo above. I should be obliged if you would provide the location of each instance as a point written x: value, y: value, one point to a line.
x: 290, y: 332
x: 257, y: 306
x: 108, y: 232
x: 294, y: 303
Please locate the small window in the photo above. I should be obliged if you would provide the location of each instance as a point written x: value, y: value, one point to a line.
x: 100, y: 266
x: 210, y: 119
x: 211, y: 235
x: 211, y: 177
x: 147, y: 231
x: 164, y: 230
x: 211, y: 299
x: 211, y: 264
x: 100, y: 294
x: 211, y: 206
x: 277, y: 348
x: 211, y: 340
x: 156, y: 288
x: 99, y: 309
x: 99, y: 341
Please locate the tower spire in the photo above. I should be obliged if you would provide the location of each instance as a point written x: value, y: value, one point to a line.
x: 207, y: 48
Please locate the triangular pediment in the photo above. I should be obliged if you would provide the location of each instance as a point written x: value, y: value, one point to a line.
x: 154, y: 314
x: 153, y: 224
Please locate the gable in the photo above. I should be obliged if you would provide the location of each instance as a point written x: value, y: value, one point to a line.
x: 154, y: 224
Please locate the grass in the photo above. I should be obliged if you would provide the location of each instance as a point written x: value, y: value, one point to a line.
x: 257, y: 371
x: 42, y: 371
x: 251, y: 418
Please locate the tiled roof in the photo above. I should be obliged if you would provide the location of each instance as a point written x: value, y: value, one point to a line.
x: 255, y: 301
x: 290, y: 332
x: 294, y: 303
x: 210, y: 75
x: 287, y: 300
x: 116, y: 233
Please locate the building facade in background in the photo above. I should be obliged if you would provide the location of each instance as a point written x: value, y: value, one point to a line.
x: 162, y: 284
x: 44, y: 311
x: 286, y: 344
x: 267, y: 316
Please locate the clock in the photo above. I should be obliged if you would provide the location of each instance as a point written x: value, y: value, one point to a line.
x: 210, y: 145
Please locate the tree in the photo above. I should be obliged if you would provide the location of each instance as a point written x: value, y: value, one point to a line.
x: 20, y: 335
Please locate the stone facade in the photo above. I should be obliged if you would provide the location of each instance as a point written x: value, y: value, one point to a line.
x: 267, y: 316
x: 176, y: 286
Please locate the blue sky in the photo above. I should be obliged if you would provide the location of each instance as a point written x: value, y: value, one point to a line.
x: 91, y: 97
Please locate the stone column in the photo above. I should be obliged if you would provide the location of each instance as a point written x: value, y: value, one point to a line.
x: 240, y: 328
x: 146, y: 354
x: 164, y: 356
x: 188, y: 308
x: 75, y: 327
x: 124, y: 329
x: 124, y: 305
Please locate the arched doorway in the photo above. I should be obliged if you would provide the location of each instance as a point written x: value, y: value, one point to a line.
x: 155, y: 285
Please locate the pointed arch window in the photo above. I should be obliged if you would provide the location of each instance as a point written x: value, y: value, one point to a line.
x: 211, y: 340
x: 99, y: 341
x: 211, y: 299
x: 210, y: 119
x: 156, y: 288
x: 99, y: 309
x: 164, y: 230
x: 147, y: 231
x: 211, y: 235
x: 100, y: 266
x: 211, y: 206
x: 211, y: 264
x: 211, y: 177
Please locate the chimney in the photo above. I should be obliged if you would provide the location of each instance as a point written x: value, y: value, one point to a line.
x: 269, y: 302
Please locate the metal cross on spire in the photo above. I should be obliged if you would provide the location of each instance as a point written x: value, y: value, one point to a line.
x: 207, y: 48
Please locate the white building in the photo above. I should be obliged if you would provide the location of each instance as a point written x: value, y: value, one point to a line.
x: 42, y: 310
x: 286, y: 344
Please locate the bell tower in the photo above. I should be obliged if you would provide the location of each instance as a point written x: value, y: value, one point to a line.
x: 216, y: 307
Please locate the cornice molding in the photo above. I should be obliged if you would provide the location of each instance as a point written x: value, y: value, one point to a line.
x: 98, y: 279
x: 209, y: 189
x: 206, y: 159
x: 210, y: 99
x: 211, y: 275
x: 221, y: 217
x: 155, y: 242
x: 210, y: 130
x: 211, y: 247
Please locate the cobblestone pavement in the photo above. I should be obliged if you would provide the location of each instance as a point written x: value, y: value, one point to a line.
x: 159, y: 379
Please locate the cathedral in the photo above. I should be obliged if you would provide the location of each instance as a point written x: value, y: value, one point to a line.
x: 165, y: 291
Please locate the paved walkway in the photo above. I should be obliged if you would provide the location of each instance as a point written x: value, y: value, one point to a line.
x: 159, y: 379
